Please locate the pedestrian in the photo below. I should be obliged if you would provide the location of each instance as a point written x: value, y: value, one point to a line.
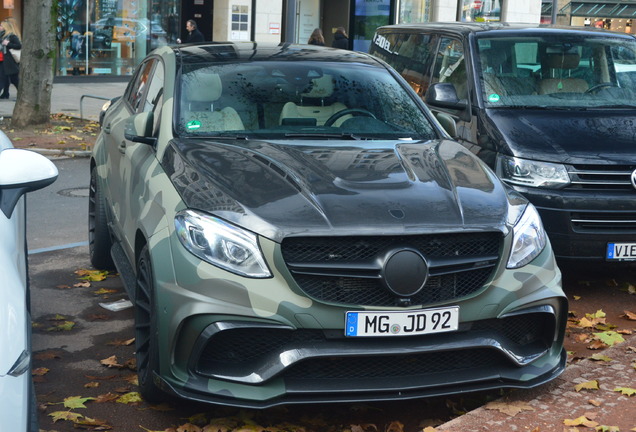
x: 340, y: 39
x: 316, y: 38
x: 194, y: 35
x: 10, y: 38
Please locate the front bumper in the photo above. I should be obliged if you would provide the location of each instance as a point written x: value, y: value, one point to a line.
x: 243, y: 347
x: 581, y: 224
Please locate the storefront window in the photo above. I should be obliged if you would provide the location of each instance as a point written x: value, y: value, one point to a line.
x: 480, y: 10
x: 110, y: 37
x: 369, y: 15
x: 414, y: 11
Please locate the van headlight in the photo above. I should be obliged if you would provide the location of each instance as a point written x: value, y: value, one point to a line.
x: 528, y: 240
x: 221, y: 244
x: 524, y: 172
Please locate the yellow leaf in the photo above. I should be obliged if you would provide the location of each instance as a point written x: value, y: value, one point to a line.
x: 589, y: 385
x: 91, y: 384
x: 510, y: 408
x: 600, y: 357
x: 74, y: 402
x: 580, y: 421
x: 65, y: 415
x: 105, y: 291
x: 626, y: 391
x: 577, y: 297
x: 39, y: 371
x: 76, y: 138
x: 595, y: 402
x: 132, y: 397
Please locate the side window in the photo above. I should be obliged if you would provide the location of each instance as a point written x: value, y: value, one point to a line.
x: 450, y: 66
x: 137, y: 91
x: 154, y: 96
x: 410, y: 54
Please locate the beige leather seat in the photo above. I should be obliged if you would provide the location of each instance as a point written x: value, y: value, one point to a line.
x: 562, y: 64
x: 202, y: 90
x: 321, y: 89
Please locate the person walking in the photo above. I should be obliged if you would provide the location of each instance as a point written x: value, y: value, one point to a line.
x: 194, y: 34
x: 316, y: 38
x: 10, y: 38
x: 340, y: 39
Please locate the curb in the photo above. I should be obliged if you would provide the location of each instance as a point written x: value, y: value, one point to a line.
x: 62, y: 153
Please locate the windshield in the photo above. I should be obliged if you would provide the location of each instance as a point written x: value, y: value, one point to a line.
x: 558, y: 70
x: 300, y: 99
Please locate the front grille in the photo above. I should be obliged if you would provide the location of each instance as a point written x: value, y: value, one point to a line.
x: 614, y: 222
x: 347, y: 270
x: 601, y: 177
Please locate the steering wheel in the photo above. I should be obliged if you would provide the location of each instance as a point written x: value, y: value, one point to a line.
x: 599, y: 86
x: 349, y: 111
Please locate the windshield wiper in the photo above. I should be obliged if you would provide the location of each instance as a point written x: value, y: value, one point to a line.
x: 344, y: 135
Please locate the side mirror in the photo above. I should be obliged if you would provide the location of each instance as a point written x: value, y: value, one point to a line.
x: 139, y: 128
x: 444, y: 95
x: 22, y: 171
x: 448, y: 123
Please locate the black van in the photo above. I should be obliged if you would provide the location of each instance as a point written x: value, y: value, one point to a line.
x: 551, y: 109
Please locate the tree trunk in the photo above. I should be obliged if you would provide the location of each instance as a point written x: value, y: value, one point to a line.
x: 33, y: 105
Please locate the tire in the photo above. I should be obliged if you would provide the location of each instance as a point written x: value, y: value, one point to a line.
x: 99, y: 239
x: 146, y: 336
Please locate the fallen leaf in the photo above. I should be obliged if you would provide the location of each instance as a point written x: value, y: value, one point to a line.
x: 596, y: 344
x: 105, y: 291
x: 610, y: 338
x: 604, y: 428
x: 39, y: 371
x: 63, y: 287
x: 576, y: 297
x: 91, y: 384
x: 580, y: 421
x: 594, y: 402
x: 65, y: 326
x: 588, y: 385
x: 119, y: 342
x: 92, y: 275
x: 510, y: 408
x: 600, y: 357
x: 111, y: 362
x: 107, y: 397
x: 394, y: 426
x: 82, y: 285
x: 91, y: 423
x: 65, y: 415
x: 626, y: 391
x: 47, y: 355
x: 128, y: 398
x: 629, y: 315
x: 74, y: 402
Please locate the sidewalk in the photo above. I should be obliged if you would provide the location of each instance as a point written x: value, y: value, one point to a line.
x: 66, y: 98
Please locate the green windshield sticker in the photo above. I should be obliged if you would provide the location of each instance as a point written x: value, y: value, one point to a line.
x: 493, y: 98
x: 193, y: 124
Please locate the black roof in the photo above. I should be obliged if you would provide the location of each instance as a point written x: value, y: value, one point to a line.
x: 258, y: 51
x: 516, y: 28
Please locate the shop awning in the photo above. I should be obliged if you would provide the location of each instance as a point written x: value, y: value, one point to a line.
x: 598, y: 9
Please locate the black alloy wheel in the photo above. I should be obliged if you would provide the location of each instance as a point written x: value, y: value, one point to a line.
x: 99, y: 240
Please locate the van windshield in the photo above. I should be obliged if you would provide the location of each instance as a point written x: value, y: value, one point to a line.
x: 554, y: 71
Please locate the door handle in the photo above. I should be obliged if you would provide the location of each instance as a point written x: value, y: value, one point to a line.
x: 122, y: 147
x: 106, y: 128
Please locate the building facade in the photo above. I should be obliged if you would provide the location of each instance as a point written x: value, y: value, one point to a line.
x: 615, y: 15
x: 110, y: 37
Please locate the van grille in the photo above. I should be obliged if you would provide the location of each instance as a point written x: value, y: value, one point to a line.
x: 601, y: 177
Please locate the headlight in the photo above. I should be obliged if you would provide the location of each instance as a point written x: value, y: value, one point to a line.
x: 525, y: 172
x: 529, y: 238
x: 221, y: 244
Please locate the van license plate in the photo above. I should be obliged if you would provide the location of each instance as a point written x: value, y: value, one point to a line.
x: 621, y: 251
x: 407, y: 323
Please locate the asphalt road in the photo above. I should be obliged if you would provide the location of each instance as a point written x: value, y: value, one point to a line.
x: 57, y: 215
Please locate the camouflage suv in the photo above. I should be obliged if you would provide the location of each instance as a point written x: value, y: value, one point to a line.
x: 293, y: 226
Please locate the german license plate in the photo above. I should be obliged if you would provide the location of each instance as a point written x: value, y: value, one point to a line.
x: 621, y: 251
x: 402, y: 323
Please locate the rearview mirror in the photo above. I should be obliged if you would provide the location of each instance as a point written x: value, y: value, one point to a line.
x: 22, y: 171
x: 139, y: 128
x: 444, y: 95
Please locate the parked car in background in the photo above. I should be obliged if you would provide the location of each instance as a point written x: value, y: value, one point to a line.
x: 292, y: 225
x: 551, y: 109
x: 21, y: 171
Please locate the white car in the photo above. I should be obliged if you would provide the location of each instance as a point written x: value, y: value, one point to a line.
x: 21, y: 171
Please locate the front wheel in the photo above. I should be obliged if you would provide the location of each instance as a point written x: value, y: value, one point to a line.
x: 99, y: 240
x: 146, y: 336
